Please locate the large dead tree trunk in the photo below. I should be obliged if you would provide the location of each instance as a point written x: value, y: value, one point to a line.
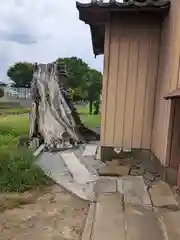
x: 54, y: 118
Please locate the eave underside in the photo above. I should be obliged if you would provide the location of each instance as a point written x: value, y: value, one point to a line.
x: 96, y: 13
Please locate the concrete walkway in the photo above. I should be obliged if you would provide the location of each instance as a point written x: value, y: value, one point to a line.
x: 127, y: 207
x: 124, y: 210
x: 74, y: 170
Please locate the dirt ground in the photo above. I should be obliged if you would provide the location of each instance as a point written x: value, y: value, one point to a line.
x: 51, y: 215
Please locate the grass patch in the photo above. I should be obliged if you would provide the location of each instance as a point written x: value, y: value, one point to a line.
x: 90, y: 121
x: 18, y: 171
x: 14, y: 110
x: 14, y: 125
x: 17, y: 168
x: 8, y: 140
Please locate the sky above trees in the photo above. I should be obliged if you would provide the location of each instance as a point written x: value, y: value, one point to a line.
x: 42, y: 31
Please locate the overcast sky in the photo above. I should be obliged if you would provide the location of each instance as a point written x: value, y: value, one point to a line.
x: 42, y: 31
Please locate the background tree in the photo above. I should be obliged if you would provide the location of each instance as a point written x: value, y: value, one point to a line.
x: 21, y: 74
x: 76, y: 69
x: 84, y: 82
x: 94, y: 85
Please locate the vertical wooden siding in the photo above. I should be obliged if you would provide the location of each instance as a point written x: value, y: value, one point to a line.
x: 105, y: 80
x: 131, y: 49
x: 175, y: 150
x: 168, y: 80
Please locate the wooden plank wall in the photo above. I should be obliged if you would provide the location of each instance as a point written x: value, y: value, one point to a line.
x: 175, y: 147
x: 130, y: 72
x: 168, y: 80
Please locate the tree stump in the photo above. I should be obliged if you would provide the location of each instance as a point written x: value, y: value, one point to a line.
x: 54, y: 117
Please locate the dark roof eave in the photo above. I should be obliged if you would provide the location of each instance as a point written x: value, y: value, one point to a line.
x: 97, y: 42
x: 161, y: 6
x: 149, y: 5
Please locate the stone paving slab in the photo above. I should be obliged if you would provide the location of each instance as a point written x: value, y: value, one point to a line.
x: 149, y: 176
x: 83, y: 191
x: 109, y: 218
x: 54, y: 167
x: 170, y: 223
x: 91, y: 164
x: 112, y: 218
x: 123, y: 209
x: 114, y: 170
x: 137, y: 171
x: 52, y: 163
x: 141, y: 224
x: 161, y: 195
x: 106, y: 185
x: 134, y: 190
x: 79, y: 172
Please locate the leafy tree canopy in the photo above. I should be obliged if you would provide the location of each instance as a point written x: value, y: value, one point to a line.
x: 77, y: 70
x: 21, y: 74
x: 84, y: 82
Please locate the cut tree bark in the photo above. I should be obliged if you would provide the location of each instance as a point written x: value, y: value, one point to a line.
x: 54, y: 119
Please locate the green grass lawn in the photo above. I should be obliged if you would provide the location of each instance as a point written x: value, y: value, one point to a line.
x: 10, y: 108
x: 90, y: 121
x: 14, y: 110
x: 16, y: 125
x: 17, y: 168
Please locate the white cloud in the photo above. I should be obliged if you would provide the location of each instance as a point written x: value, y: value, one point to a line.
x: 41, y: 31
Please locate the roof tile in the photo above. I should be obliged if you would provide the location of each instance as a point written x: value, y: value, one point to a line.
x: 125, y: 3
